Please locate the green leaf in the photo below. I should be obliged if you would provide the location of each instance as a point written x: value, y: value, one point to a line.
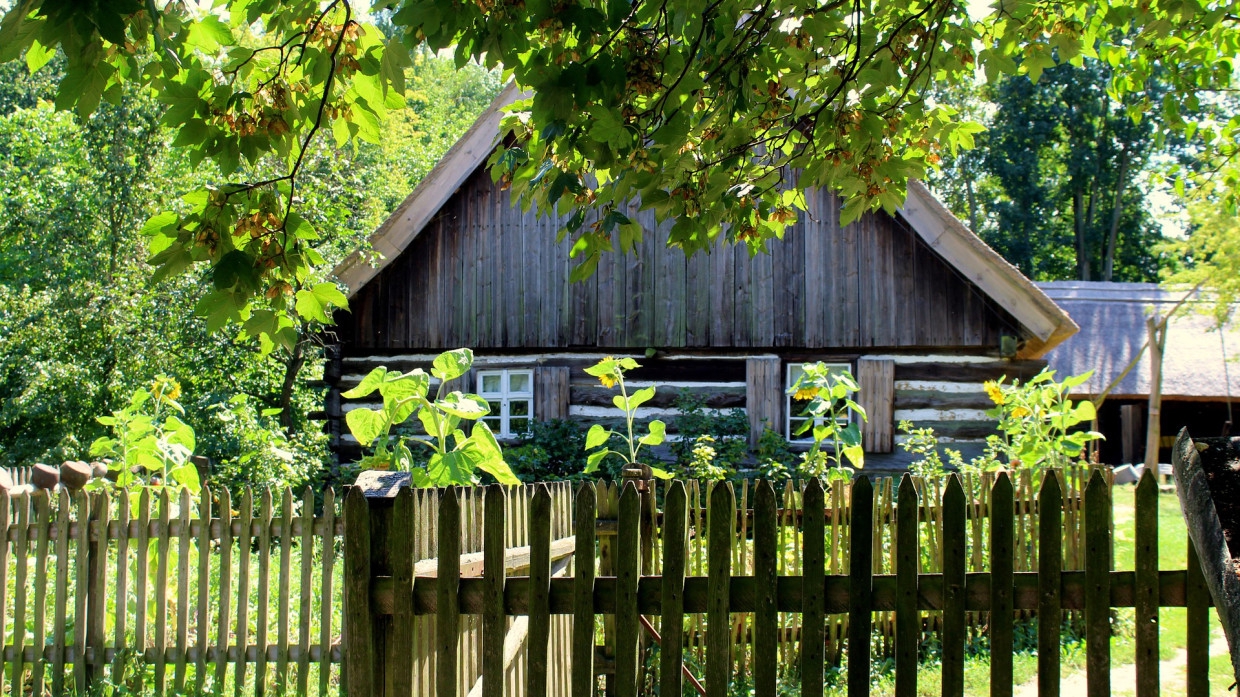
x: 369, y: 384
x: 186, y: 475
x: 658, y: 433
x: 596, y: 436
x: 471, y: 407
x: 208, y: 34
x: 660, y: 473
x: 37, y: 56
x: 451, y: 365
x: 640, y: 397
x: 312, y: 304
x: 593, y: 460
x: 366, y: 425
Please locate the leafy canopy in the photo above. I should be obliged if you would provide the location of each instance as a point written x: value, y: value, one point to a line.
x: 715, y: 113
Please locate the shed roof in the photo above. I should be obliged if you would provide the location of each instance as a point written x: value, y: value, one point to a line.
x: 1199, y: 362
x: 1046, y: 323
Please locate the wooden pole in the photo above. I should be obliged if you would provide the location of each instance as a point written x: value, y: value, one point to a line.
x: 1153, y: 434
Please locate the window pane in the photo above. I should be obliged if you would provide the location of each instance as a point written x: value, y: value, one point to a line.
x: 794, y: 372
x: 519, y: 382
x: 493, y: 422
x: 491, y: 383
x: 497, y: 408
x: 519, y: 407
x: 519, y: 426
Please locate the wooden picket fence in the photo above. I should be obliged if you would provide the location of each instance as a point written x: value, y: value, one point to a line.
x: 746, y: 593
x: 165, y: 592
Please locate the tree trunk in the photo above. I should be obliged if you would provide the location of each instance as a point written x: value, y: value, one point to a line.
x: 291, y: 370
x: 972, y: 199
x: 1082, y: 243
x: 1117, y: 208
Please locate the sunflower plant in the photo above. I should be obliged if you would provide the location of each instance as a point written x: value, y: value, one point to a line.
x: 610, y: 373
x: 149, y: 442
x: 1038, y: 425
x: 829, y: 419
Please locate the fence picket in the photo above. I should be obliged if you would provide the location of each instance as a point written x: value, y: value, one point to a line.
x: 225, y: 581
x: 82, y: 558
x: 765, y: 638
x: 1197, y: 621
x: 813, y: 556
x: 675, y: 539
x: 908, y: 559
x: 21, y: 556
x: 264, y: 591
x: 161, y: 591
x: 357, y: 627
x: 1146, y: 564
x: 400, y: 557
x: 1001, y: 589
x: 540, y: 591
x: 447, y: 602
x: 721, y: 519
x: 242, y: 631
x: 62, y: 583
x: 583, y: 679
x: 304, y: 612
x: 98, y: 566
x: 1050, y: 564
x: 494, y: 622
x: 1097, y: 587
x: 120, y: 638
x: 328, y: 545
x: 202, y: 630
x: 954, y: 566
x: 860, y: 595
x: 285, y: 587
x: 42, y: 519
x: 183, y: 551
x: 627, y: 546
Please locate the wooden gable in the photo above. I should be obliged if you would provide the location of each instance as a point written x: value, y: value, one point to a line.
x: 484, y: 274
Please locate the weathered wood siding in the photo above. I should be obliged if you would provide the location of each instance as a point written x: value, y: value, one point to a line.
x: 876, y: 380
x: 487, y: 275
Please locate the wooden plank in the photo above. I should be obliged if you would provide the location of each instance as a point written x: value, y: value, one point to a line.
x: 161, y: 591
x: 62, y: 583
x: 720, y: 528
x: 908, y: 619
x: 675, y: 540
x: 1001, y: 568
x: 540, y: 591
x: 1197, y: 643
x: 876, y: 378
x: 43, y: 518
x: 628, y: 548
x: 358, y: 648
x: 954, y: 567
x: 285, y: 589
x: 81, y: 549
x: 1050, y: 565
x: 225, y: 591
x: 263, y: 606
x: 242, y: 628
x: 183, y: 555
x: 305, y: 610
x: 1097, y: 587
x: 583, y: 679
x: 1146, y: 566
x: 202, y: 628
x: 448, y: 620
x: 399, y: 664
x: 21, y: 557
x: 764, y: 400
x: 494, y: 623
x: 328, y: 549
x: 766, y: 549
x: 860, y: 594
x: 813, y: 555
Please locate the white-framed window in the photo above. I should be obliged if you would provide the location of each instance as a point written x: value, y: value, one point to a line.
x: 510, y: 393
x: 793, y: 407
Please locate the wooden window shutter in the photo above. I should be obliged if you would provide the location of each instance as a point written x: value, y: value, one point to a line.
x: 764, y: 396
x: 876, y: 378
x: 550, y: 392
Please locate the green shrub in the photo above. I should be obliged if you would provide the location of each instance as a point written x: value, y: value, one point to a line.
x: 549, y: 451
x: 728, y: 430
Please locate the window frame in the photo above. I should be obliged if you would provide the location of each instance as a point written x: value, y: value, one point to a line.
x: 505, y: 396
x: 789, y: 416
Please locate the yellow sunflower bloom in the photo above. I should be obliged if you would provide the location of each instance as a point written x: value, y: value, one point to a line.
x: 609, y: 380
x: 805, y: 393
x: 994, y: 392
x: 1019, y: 412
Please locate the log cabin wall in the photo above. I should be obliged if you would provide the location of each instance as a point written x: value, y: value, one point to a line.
x: 487, y: 275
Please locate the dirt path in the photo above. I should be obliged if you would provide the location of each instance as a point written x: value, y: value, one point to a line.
x: 1124, y: 678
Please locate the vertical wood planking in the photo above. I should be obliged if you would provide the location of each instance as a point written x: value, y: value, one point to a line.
x: 62, y: 582
x: 265, y: 515
x: 675, y: 537
x: 161, y: 591
x: 954, y: 567
x: 721, y: 519
x: 1001, y: 586
x: 242, y: 631
x: 43, y: 517
x: 202, y: 620
x: 813, y: 554
x: 583, y: 679
x: 359, y: 652
x: 1050, y: 566
x: 908, y: 618
x: 494, y: 623
x: 328, y: 548
x: 183, y: 554
x: 765, y: 637
x: 540, y: 591
x: 305, y: 611
x: 81, y: 557
x: 1146, y: 600
x: 1097, y: 587
x: 225, y: 581
x: 448, y: 617
x: 400, y: 551
x: 21, y: 559
x: 1197, y: 644
x: 628, y: 548
x: 860, y: 588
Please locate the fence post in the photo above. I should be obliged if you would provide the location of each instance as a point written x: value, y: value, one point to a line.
x: 370, y: 550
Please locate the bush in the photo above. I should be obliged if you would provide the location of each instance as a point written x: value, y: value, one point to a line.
x: 247, y: 447
x: 549, y: 451
x: 729, y: 432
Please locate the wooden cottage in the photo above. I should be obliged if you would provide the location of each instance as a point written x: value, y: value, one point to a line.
x: 918, y: 308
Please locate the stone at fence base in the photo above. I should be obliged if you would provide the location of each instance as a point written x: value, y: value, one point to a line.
x: 74, y: 474
x: 98, y: 469
x: 6, y: 481
x: 44, y: 476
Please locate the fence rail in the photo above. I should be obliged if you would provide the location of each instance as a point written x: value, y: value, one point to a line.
x: 167, y: 590
x: 756, y: 589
